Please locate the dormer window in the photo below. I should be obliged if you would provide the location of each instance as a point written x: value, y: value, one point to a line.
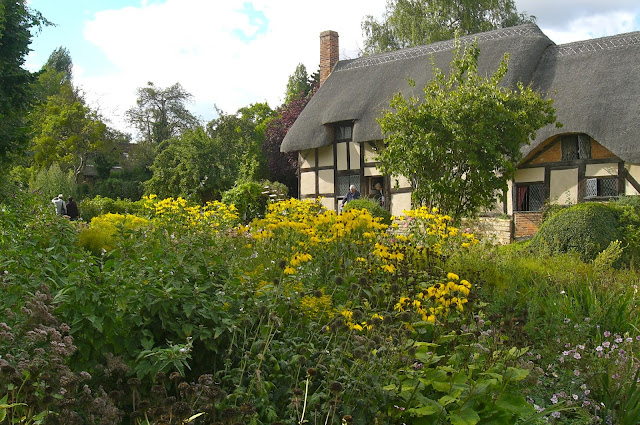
x: 343, y: 132
x: 576, y: 146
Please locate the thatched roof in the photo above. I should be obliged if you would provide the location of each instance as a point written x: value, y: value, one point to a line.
x: 594, y: 84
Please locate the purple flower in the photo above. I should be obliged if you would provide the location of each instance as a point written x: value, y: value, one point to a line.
x: 577, y: 356
x: 607, y: 334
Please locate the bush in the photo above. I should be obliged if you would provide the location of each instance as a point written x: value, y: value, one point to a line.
x: 90, y: 208
x: 101, y: 234
x: 585, y: 229
x: 372, y: 206
x: 251, y: 198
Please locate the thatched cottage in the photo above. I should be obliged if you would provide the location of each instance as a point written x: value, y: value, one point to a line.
x: 595, y: 85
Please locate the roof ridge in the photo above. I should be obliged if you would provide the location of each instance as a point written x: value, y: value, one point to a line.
x: 593, y: 45
x: 439, y: 46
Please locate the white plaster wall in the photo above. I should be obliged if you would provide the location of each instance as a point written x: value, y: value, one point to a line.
x: 403, y: 182
x: 400, y: 202
x: 527, y: 175
x: 510, y: 198
x: 329, y: 203
x: 564, y: 186
x: 307, y: 158
x: 341, y: 152
x: 326, y: 181
x: 369, y: 153
x: 634, y: 171
x: 601, y: 170
x: 354, y: 156
x: 372, y: 172
x: 308, y: 183
x: 325, y: 156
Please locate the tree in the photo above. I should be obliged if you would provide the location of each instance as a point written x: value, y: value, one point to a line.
x: 161, y: 114
x: 301, y: 84
x: 68, y: 133
x: 16, y: 94
x: 460, y: 144
x: 193, y: 165
x: 408, y: 23
x: 244, y: 131
x: 283, y: 165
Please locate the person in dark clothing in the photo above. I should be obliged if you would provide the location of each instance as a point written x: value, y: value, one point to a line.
x: 72, y: 209
x: 351, y: 195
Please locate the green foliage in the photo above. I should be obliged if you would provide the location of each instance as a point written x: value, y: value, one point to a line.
x: 627, y: 210
x: 17, y: 21
x: 50, y: 182
x: 248, y: 199
x: 99, y: 205
x: 470, y: 124
x: 195, y: 166
x: 244, y: 133
x: 372, y: 206
x: 285, y: 321
x: 300, y: 84
x: 161, y: 114
x: 408, y: 23
x: 100, y: 236
x: 584, y: 229
x: 67, y: 132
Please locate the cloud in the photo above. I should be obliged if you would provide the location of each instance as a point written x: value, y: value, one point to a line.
x: 226, y: 53
x: 563, y: 16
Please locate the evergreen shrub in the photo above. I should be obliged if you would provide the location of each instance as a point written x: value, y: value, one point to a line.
x: 585, y: 229
x: 372, y: 206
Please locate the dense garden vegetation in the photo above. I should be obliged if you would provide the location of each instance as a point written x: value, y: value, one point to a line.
x: 182, y: 313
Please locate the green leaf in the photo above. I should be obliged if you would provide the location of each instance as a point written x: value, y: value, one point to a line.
x: 423, y: 411
x: 514, y: 404
x: 465, y: 416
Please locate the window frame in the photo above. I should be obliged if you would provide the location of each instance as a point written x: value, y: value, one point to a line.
x: 527, y: 200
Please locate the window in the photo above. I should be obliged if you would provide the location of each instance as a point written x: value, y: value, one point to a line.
x: 530, y: 197
x: 343, y: 132
x: 601, y: 187
x: 345, y: 181
x: 576, y: 146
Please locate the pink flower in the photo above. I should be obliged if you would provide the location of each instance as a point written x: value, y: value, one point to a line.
x: 607, y: 334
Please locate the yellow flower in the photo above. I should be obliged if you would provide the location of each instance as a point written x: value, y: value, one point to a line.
x: 389, y: 268
x: 347, y: 314
x: 289, y: 270
x: 452, y: 276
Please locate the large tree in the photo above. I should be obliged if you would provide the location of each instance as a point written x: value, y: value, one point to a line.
x: 161, y: 114
x: 459, y: 145
x: 408, y: 23
x: 16, y: 94
x: 244, y: 131
x: 193, y: 165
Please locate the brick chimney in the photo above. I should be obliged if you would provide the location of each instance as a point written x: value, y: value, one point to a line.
x: 329, y: 53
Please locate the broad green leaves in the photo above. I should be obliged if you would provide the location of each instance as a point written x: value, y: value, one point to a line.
x: 459, y: 145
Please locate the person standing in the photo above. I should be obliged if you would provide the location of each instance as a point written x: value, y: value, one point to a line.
x: 72, y: 209
x: 61, y: 207
x: 351, y: 195
x: 377, y: 194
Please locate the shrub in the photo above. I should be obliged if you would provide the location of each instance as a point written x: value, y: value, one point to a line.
x: 100, y: 235
x: 250, y: 198
x: 628, y: 210
x: 90, y: 208
x: 585, y: 229
x: 372, y: 206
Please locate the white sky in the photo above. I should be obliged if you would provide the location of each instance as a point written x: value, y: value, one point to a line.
x: 235, y: 53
